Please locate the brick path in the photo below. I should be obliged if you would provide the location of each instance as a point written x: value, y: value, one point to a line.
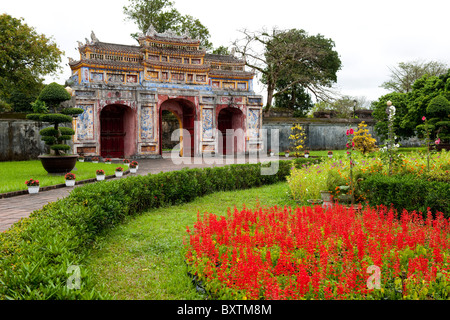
x: 15, y: 208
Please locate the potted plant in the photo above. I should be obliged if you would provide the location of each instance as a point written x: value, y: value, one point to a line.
x: 344, y: 195
x: 126, y: 162
x: 286, y: 153
x: 108, y: 161
x: 33, y: 186
x: 81, y: 158
x: 70, y: 179
x: 48, y: 109
x: 119, y: 172
x: 330, y: 154
x: 100, y: 174
x: 95, y: 160
x: 271, y: 152
x: 306, y: 153
x: 134, y: 166
x: 326, y: 196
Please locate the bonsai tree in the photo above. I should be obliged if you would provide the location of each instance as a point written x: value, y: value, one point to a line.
x: 439, y: 110
x: 48, y: 108
x: 437, y: 120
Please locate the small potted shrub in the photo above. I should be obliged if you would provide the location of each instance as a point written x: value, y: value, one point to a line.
x: 33, y: 186
x: 95, y: 159
x: 81, y: 158
x: 100, y: 175
x: 330, y: 154
x: 119, y: 172
x: 133, y: 166
x: 271, y: 152
x: 108, y: 160
x: 126, y: 162
x: 70, y: 179
x: 306, y: 153
x: 286, y: 153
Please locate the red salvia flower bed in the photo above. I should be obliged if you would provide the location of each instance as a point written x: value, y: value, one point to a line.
x: 313, y: 253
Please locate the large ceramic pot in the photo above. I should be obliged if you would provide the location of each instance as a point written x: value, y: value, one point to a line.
x: 59, y: 164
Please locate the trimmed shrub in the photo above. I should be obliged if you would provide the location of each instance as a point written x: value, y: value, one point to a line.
x: 407, y: 192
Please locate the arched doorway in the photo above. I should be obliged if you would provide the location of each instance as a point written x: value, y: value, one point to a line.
x: 230, y: 125
x: 169, y: 123
x: 117, y: 129
x: 184, y: 111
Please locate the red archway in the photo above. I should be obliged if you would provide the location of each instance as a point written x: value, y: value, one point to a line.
x: 184, y: 110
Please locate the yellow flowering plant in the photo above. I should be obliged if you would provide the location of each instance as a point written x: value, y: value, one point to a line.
x: 363, y: 141
x: 298, y: 138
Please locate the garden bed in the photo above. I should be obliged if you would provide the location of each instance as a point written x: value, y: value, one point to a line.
x: 311, y: 253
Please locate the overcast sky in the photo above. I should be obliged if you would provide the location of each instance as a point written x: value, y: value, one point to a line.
x: 370, y: 36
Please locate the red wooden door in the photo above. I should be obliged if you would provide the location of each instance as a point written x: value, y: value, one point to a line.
x: 224, y: 123
x: 112, y: 132
x: 188, y: 124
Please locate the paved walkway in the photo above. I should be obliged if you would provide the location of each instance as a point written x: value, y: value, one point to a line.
x: 15, y: 208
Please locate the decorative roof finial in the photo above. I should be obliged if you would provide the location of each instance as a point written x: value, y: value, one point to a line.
x: 94, y: 38
x: 151, y: 31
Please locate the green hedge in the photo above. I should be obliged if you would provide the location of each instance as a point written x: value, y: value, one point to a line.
x: 407, y: 192
x: 36, y: 253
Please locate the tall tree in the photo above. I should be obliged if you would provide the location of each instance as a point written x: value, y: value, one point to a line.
x: 403, y: 76
x: 162, y: 16
x: 25, y: 58
x: 294, y: 56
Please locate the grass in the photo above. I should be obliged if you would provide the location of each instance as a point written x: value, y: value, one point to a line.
x: 14, y: 174
x: 144, y: 258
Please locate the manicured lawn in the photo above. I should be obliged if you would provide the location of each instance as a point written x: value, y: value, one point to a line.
x: 144, y: 258
x: 14, y: 174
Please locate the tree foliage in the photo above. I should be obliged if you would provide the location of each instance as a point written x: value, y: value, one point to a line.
x: 343, y: 106
x: 162, y: 16
x: 414, y: 105
x: 295, y: 98
x: 53, y: 94
x: 25, y: 58
x: 221, y: 50
x: 286, y: 58
x: 404, y: 76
